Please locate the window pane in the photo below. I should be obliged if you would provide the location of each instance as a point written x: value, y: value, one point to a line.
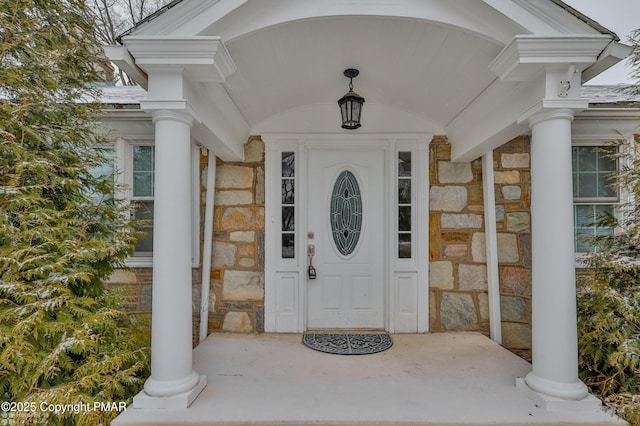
x: 288, y: 164
x: 404, y: 164
x: 288, y: 246
x: 404, y: 191
x: 404, y: 246
x: 143, y: 171
x: 106, y: 169
x: 144, y: 211
x: 288, y: 218
x: 404, y: 218
x: 103, y: 172
x: 587, y: 185
x: 288, y: 191
x: 592, y: 169
x: 587, y: 158
x: 585, y: 218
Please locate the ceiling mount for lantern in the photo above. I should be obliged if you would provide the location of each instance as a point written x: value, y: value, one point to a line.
x: 351, y: 103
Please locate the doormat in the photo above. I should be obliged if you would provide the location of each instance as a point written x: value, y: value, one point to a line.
x: 348, y: 343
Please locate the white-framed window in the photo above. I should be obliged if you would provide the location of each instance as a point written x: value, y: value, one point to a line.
x: 593, y: 193
x: 142, y: 190
x: 288, y: 201
x: 405, y: 205
x: 133, y: 169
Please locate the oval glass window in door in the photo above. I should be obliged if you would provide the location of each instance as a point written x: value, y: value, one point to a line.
x: 345, y: 213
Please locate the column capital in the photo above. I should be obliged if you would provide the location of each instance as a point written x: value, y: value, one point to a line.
x: 177, y: 110
x: 550, y: 109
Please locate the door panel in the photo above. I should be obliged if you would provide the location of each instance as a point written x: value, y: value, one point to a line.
x: 349, y: 289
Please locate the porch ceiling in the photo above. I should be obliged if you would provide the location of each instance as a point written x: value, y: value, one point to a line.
x: 425, y: 66
x: 427, y: 70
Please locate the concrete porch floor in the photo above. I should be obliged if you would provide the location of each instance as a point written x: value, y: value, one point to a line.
x: 432, y: 379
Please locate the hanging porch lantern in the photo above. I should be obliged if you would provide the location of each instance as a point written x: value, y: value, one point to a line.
x: 351, y: 103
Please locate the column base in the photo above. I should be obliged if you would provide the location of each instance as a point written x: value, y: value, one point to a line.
x: 181, y: 400
x: 589, y: 403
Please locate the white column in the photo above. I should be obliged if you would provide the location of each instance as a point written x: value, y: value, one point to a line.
x: 172, y: 375
x: 554, y: 323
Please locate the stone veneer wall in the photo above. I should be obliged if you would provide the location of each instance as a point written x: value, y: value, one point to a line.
x: 236, y: 301
x: 458, y: 271
x: 135, y: 284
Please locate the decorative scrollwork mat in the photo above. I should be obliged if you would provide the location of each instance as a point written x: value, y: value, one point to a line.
x: 348, y: 343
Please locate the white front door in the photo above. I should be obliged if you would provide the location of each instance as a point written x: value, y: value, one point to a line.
x: 346, y: 225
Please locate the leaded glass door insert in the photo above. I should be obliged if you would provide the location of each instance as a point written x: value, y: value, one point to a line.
x: 345, y: 213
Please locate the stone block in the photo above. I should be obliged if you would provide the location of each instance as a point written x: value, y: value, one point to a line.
x: 242, y: 218
x: 230, y: 176
x: 260, y: 319
x: 455, y: 250
x: 516, y: 335
x: 238, y: 322
x: 121, y: 276
x: 507, y: 248
x: 455, y: 237
x: 458, y: 311
x: 509, y: 178
x: 233, y: 198
x: 434, y: 312
x: 483, y: 306
x: 260, y: 186
x: 447, y: 198
x: 515, y: 161
x: 247, y: 262
x: 441, y: 274
x: 513, y: 308
x: 246, y: 250
x: 515, y: 280
x: 478, y: 247
x: 434, y: 236
x: 254, y: 150
x: 518, y: 222
x: 475, y: 194
x: 243, y: 286
x: 203, y: 179
x: 145, y: 297
x: 223, y: 254
x: 525, y: 249
x: 472, y: 277
x: 242, y: 236
x: 443, y: 151
x: 461, y: 221
x: 454, y: 172
x: 500, y: 213
x: 511, y: 192
x: 261, y: 249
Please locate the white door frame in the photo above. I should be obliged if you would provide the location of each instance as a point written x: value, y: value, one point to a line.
x: 406, y: 287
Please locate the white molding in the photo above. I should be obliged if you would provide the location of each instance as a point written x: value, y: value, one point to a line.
x: 526, y: 55
x: 614, y: 53
x: 204, y: 57
x: 120, y: 56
